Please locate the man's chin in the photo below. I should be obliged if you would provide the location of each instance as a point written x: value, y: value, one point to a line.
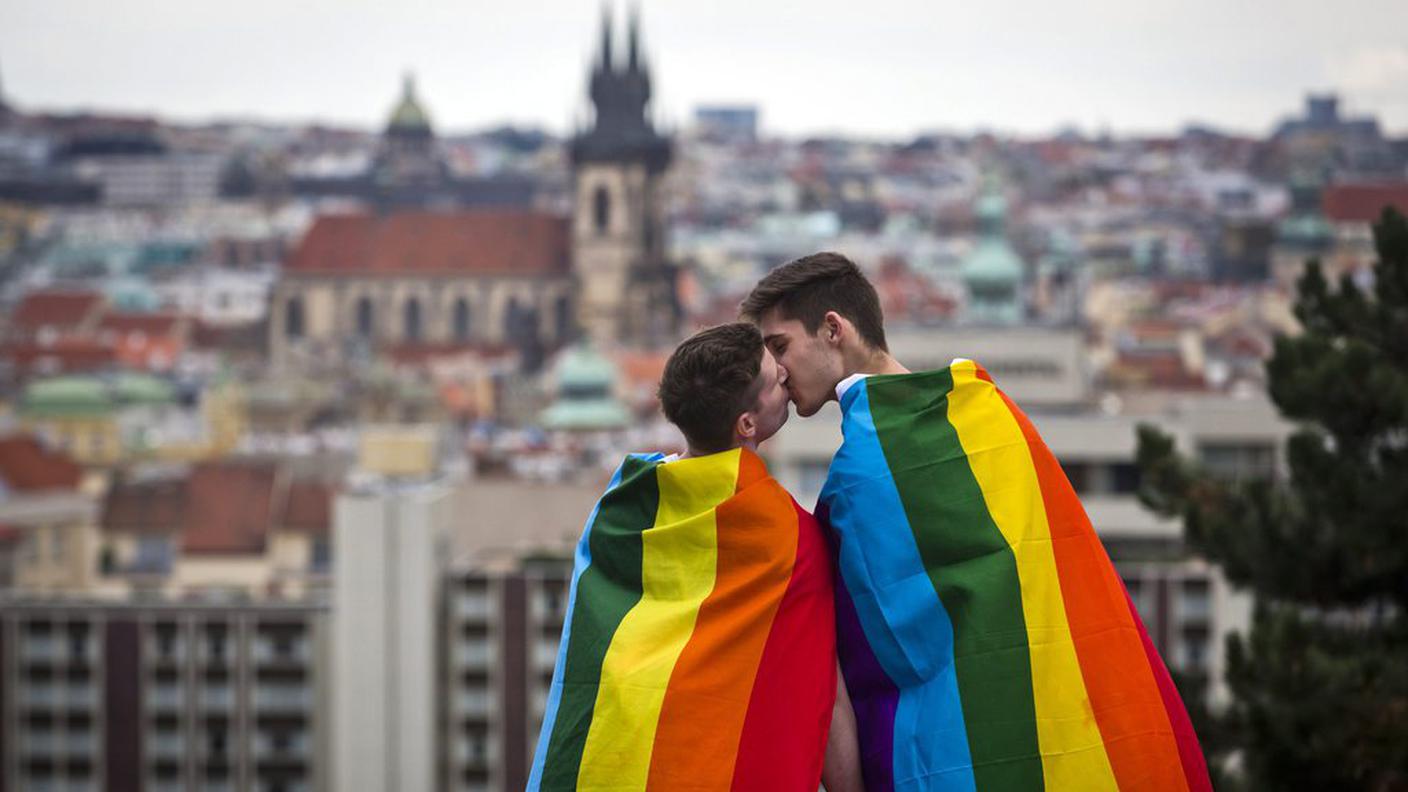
x: 806, y: 410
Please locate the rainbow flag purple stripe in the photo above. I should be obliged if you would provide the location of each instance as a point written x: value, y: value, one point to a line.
x: 985, y: 637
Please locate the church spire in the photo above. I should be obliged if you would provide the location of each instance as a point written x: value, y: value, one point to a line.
x: 633, y: 39
x: 606, y: 59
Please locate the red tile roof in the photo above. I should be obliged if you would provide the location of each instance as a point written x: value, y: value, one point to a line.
x: 153, y: 324
x: 488, y: 242
x: 155, y: 506
x: 68, y: 355
x: 308, y: 507
x: 26, y: 465
x: 1363, y: 203
x: 54, y: 308
x: 228, y: 506
x: 220, y: 508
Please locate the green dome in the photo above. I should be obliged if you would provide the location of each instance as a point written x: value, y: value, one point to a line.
x: 587, y: 414
x: 992, y: 260
x: 582, y: 367
x: 585, y: 398
x: 408, y: 114
x: 66, y: 396
x: 132, y: 389
x: 992, y: 208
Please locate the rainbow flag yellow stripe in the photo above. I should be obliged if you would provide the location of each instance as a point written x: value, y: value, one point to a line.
x: 699, y: 646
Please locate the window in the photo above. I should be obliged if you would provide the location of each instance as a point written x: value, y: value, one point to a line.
x: 365, y: 318
x: 322, y: 554
x: 601, y: 210
x: 153, y: 555
x: 562, y: 317
x: 293, y: 317
x: 1238, y: 461
x: 461, y: 320
x: 1125, y: 476
x: 411, y: 323
x: 1078, y: 473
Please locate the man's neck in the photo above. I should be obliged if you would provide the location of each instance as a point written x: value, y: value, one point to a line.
x: 874, y: 362
x: 691, y: 451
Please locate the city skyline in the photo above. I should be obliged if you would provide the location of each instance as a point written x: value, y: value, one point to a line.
x: 898, y: 70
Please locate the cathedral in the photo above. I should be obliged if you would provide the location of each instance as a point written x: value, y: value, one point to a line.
x: 418, y: 270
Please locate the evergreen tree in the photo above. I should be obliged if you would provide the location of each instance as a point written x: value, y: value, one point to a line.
x: 1320, y: 686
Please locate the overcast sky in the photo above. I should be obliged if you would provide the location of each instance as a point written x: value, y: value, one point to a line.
x: 884, y: 68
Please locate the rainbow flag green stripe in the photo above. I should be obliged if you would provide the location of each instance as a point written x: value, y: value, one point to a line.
x: 699, y: 647
x: 612, y: 582
x: 985, y: 637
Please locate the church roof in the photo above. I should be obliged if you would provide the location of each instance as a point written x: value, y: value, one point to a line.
x: 468, y: 242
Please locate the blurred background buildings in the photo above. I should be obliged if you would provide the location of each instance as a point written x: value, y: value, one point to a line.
x: 301, y: 422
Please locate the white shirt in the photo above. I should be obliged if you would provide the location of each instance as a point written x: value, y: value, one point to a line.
x: 845, y: 384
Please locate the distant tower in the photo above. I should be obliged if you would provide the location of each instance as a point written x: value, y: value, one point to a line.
x: 993, y: 272
x: 627, y: 290
x: 408, y: 169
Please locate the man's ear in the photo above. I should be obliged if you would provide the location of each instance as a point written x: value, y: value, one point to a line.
x: 746, y: 425
x: 833, y: 327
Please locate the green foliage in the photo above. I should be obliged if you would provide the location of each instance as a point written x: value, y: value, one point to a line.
x: 1320, y: 687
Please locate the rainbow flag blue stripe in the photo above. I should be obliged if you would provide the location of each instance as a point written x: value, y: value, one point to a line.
x: 985, y: 637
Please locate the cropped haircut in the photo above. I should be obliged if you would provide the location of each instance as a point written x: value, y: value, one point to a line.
x: 711, y: 379
x: 805, y: 289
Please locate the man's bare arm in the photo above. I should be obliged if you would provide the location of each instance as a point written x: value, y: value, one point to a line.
x: 840, y: 772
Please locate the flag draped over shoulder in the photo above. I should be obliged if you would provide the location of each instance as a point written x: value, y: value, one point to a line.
x: 984, y: 635
x: 698, y: 651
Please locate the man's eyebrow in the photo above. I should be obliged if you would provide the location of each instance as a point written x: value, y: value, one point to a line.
x: 768, y: 339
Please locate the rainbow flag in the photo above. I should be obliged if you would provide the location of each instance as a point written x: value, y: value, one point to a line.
x: 698, y: 651
x: 985, y: 638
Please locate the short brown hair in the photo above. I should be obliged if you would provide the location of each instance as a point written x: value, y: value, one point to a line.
x: 805, y: 289
x: 709, y: 380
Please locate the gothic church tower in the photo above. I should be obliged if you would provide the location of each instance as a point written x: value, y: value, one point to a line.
x: 626, y: 288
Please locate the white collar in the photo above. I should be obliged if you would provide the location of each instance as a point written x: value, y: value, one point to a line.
x: 845, y: 384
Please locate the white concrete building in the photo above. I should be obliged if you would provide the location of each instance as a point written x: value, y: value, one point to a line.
x: 391, y: 536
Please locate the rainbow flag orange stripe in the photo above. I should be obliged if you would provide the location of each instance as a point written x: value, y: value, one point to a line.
x: 699, y: 646
x: 985, y: 637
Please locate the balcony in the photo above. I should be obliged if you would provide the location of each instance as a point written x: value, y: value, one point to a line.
x: 475, y: 655
x: 472, y: 751
x: 40, y: 696
x: 166, y: 745
x: 474, y: 703
x: 41, y: 649
x: 172, y: 653
x: 83, y: 744
x: 219, y: 699
x: 545, y: 655
x: 81, y: 697
x: 266, y: 652
x: 283, y: 699
x: 35, y: 744
x: 472, y: 607
x: 164, y: 698
x: 294, y: 749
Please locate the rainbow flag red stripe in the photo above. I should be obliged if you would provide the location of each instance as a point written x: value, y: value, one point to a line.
x: 698, y: 651
x: 986, y: 639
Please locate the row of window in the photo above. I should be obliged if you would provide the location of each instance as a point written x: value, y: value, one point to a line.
x: 517, y: 319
